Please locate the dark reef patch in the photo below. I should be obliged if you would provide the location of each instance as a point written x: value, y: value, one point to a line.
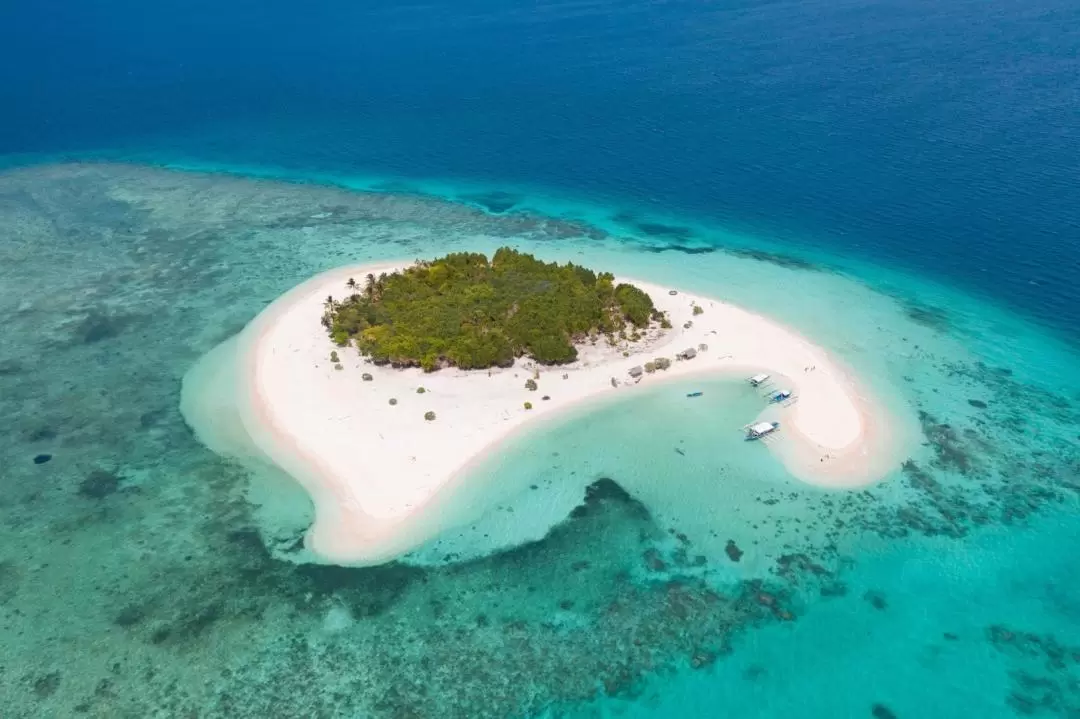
x: 46, y: 685
x: 658, y: 229
x: 606, y: 490
x: 42, y: 458
x: 130, y: 616
x: 876, y: 600
x: 1044, y: 673
x: 732, y: 550
x: 951, y: 452
x: 935, y: 318
x: 99, y: 326
x: 685, y: 249
x: 41, y: 433
x: 367, y: 591
x: 1007, y: 390
x: 9, y: 580
x: 774, y: 258
x: 10, y: 368
x: 99, y: 484
x: 880, y: 711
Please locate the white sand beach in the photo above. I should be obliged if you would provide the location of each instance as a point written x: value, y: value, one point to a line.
x: 372, y: 468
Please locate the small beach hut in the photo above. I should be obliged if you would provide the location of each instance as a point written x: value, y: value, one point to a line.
x: 636, y: 372
x: 758, y: 379
x: 687, y: 354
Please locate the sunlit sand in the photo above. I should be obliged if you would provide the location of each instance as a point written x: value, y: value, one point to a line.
x: 373, y: 467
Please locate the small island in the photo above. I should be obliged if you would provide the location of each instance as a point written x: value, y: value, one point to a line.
x: 378, y: 387
x: 465, y: 311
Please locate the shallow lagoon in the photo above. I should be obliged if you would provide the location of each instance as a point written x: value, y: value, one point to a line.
x: 134, y: 580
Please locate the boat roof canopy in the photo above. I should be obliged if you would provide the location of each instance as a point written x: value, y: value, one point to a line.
x: 759, y: 378
x: 762, y: 427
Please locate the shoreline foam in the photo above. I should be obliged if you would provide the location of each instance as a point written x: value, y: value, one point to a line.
x: 375, y: 472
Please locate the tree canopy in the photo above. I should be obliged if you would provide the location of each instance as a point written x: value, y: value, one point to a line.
x: 466, y: 311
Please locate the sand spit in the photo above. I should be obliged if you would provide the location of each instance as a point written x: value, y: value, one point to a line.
x: 375, y: 470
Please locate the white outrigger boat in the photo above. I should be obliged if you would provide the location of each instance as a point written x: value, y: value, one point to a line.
x: 761, y: 429
x: 758, y: 380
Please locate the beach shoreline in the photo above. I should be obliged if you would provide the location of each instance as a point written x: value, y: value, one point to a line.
x: 376, y: 472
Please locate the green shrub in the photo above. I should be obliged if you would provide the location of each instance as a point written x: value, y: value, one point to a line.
x: 698, y: 310
x: 393, y: 401
x: 650, y: 367
x: 635, y: 304
x: 366, y: 377
x: 530, y: 384
x: 528, y: 405
x: 429, y: 416
x: 334, y: 357
x: 662, y: 363
x: 469, y: 311
x: 338, y: 366
x: 420, y: 390
x: 665, y: 323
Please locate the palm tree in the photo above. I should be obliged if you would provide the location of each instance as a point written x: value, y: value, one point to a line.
x: 380, y: 286
x: 369, y: 287
x: 351, y: 284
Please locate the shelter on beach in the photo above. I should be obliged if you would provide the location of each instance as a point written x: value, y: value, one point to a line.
x: 687, y: 354
x: 636, y: 372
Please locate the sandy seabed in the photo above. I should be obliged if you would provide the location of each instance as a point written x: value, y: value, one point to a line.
x: 376, y: 471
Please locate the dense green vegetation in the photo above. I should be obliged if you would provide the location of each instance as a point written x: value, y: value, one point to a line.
x: 466, y: 311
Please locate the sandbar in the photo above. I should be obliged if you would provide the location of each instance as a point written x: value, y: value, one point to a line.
x: 373, y: 468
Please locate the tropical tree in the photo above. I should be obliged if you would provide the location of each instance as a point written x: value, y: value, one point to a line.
x: 468, y: 311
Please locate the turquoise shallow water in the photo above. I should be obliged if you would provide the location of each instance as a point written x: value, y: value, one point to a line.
x: 134, y: 579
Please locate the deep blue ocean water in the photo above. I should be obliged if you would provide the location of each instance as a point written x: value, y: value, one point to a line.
x: 940, y: 136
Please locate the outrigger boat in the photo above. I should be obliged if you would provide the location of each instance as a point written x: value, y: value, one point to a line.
x: 694, y: 394
x: 761, y: 429
x: 758, y: 380
x: 780, y: 395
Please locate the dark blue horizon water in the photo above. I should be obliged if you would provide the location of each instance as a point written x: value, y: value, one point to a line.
x: 937, y: 136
